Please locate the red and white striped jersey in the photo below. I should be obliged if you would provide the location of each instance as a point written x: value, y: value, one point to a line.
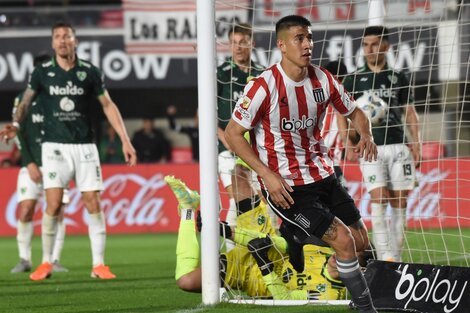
x: 285, y: 120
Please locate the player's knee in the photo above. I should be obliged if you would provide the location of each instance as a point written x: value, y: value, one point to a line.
x: 92, y: 202
x: 344, y: 245
x: 25, y: 214
x: 187, y: 284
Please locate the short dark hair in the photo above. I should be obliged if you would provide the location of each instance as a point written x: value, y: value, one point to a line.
x: 41, y: 58
x: 377, y: 30
x: 291, y: 20
x: 242, y: 28
x: 61, y: 24
x: 337, y: 68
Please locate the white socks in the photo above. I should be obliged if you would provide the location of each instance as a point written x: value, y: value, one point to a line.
x: 48, y: 234
x: 97, y: 234
x: 381, y: 232
x: 24, y: 236
x: 397, y: 232
x: 59, y: 241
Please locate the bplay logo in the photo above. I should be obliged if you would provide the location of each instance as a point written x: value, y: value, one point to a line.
x: 294, y: 124
x: 428, y: 289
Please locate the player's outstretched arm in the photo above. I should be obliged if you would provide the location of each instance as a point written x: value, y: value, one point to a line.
x: 115, y: 119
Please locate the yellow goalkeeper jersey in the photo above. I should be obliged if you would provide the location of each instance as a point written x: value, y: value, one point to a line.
x: 243, y: 273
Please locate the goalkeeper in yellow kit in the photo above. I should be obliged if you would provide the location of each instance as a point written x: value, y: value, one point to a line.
x: 258, y: 265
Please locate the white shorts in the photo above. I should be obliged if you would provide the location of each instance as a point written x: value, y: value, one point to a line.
x: 394, y: 169
x: 226, y: 165
x: 63, y: 162
x: 27, y: 189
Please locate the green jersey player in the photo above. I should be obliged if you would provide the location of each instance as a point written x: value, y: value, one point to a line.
x: 392, y: 176
x: 67, y: 86
x: 29, y: 185
x: 232, y: 76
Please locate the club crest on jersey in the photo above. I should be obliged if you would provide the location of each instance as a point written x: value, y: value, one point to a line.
x: 245, y: 103
x: 393, y: 79
x: 81, y: 75
x: 318, y: 95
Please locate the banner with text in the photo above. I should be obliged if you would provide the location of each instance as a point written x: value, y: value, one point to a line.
x: 138, y: 200
x: 163, y: 27
x: 418, y: 287
x: 165, y: 69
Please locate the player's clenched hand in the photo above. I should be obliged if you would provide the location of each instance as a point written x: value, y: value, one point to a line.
x: 278, y: 190
x: 8, y: 132
x: 129, y: 154
x: 366, y: 148
x: 34, y: 172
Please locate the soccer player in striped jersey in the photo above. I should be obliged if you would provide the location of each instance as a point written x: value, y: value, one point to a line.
x: 391, y: 177
x: 283, y: 108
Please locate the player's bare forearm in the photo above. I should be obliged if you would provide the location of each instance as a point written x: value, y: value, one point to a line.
x: 115, y: 119
x: 221, y: 136
x: 234, y: 137
x: 412, y: 123
x: 366, y: 146
x: 23, y: 106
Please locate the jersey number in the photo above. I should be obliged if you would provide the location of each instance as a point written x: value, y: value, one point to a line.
x: 407, y: 169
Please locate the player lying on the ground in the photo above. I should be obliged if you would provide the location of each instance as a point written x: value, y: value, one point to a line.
x: 273, y: 277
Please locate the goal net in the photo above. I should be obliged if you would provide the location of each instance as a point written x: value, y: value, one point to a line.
x: 429, y: 41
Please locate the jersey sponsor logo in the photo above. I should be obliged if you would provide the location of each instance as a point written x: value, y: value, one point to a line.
x: 393, y: 78
x: 67, y: 104
x: 318, y: 95
x: 245, y: 103
x: 37, y: 118
x: 294, y: 124
x: 383, y: 93
x: 69, y: 90
x: 81, y: 75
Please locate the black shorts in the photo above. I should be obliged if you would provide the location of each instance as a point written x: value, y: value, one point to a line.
x: 315, y: 206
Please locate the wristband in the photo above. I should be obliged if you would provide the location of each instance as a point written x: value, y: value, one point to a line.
x: 16, y: 124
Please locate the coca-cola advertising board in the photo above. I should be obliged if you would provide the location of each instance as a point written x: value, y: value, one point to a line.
x: 137, y: 199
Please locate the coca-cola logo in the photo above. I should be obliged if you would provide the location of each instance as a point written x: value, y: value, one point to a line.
x: 128, y: 199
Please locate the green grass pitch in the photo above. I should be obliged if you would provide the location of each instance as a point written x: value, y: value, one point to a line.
x: 144, y: 265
